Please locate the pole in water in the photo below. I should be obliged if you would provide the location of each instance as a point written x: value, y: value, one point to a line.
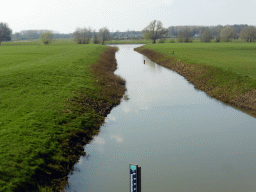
x: 135, y: 178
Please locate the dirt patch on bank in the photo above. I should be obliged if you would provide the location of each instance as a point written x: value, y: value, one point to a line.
x: 201, y: 77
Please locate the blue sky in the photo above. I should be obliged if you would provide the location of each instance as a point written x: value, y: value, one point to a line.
x: 65, y: 16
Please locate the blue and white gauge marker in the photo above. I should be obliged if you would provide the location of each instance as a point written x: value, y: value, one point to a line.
x: 133, y: 177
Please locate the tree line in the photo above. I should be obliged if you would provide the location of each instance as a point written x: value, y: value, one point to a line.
x: 153, y: 31
x: 84, y: 35
x: 35, y: 34
x: 185, y: 34
x: 226, y: 34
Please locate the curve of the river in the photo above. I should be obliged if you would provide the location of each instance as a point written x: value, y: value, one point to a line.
x: 182, y: 139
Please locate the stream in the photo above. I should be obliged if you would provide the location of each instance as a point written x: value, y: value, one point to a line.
x: 182, y: 139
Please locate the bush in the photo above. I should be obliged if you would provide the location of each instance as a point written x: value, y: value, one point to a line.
x: 161, y: 41
x: 171, y: 41
x: 46, y: 37
x: 217, y: 39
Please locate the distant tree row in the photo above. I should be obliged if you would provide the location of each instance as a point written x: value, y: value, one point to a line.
x: 83, y: 36
x: 153, y: 31
x: 185, y: 34
x: 221, y: 34
x: 35, y: 34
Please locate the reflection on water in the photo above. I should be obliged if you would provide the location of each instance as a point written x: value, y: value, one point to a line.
x: 182, y: 139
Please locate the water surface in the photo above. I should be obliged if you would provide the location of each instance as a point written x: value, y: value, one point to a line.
x: 182, y: 139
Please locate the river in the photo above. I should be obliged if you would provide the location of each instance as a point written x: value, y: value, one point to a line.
x: 182, y: 139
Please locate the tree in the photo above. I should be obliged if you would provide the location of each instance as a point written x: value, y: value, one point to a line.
x: 82, y: 36
x: 46, y: 37
x: 154, y: 31
x: 216, y: 32
x: 205, y: 35
x: 95, y: 37
x: 248, y: 34
x: 77, y: 35
x: 17, y: 36
x: 104, y: 34
x: 5, y: 32
x: 88, y: 35
x: 227, y: 33
x: 184, y: 35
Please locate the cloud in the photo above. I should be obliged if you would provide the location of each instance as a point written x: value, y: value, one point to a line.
x: 117, y: 138
x: 99, y: 140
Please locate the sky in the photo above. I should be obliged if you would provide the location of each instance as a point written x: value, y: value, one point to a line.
x: 65, y: 16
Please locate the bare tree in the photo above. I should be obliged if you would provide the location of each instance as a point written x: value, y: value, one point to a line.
x: 46, y: 37
x: 95, y: 37
x: 154, y: 31
x: 216, y: 32
x: 77, y: 36
x: 104, y: 34
x: 184, y: 35
x: 227, y: 33
x: 82, y: 36
x: 5, y: 32
x: 88, y: 35
x: 205, y: 35
x: 248, y: 34
x: 17, y: 36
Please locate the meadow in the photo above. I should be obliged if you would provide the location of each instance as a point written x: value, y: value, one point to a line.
x: 236, y: 57
x: 49, y: 108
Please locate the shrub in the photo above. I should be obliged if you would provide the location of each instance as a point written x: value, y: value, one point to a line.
x: 171, y: 41
x: 161, y: 41
x: 46, y: 37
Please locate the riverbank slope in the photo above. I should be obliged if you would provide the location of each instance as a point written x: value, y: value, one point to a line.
x: 219, y: 81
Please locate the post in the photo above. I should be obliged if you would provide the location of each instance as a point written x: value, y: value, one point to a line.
x: 135, y: 178
x: 144, y: 61
x: 139, y: 179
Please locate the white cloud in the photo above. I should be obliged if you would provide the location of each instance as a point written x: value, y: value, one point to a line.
x: 99, y: 140
x: 117, y: 138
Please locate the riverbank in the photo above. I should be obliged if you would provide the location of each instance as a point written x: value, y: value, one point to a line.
x: 237, y: 90
x: 96, y: 106
x: 53, y: 100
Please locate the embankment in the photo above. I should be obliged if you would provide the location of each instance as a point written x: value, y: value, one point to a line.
x: 109, y: 91
x: 210, y: 80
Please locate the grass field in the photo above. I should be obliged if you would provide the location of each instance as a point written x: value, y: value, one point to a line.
x: 36, y: 84
x: 236, y: 57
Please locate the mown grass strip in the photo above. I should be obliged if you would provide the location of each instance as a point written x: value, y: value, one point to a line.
x: 51, y: 103
x: 226, y: 71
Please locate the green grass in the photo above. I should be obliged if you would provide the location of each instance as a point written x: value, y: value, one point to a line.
x: 36, y: 83
x: 38, y: 42
x: 237, y: 57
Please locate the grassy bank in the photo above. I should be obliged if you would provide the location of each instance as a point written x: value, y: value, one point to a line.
x: 226, y: 71
x: 52, y: 100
